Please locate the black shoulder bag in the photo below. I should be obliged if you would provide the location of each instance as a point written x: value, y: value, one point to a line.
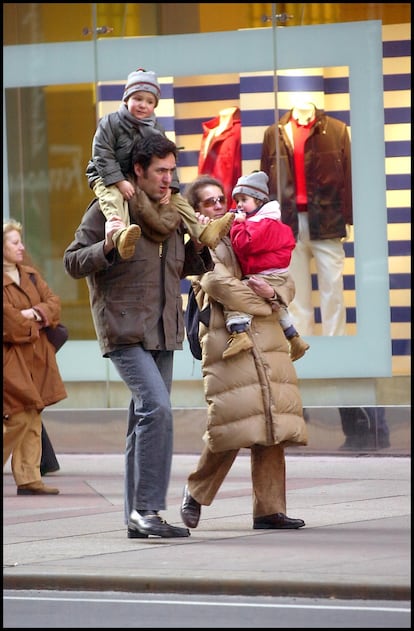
x: 57, y: 335
x: 192, y: 318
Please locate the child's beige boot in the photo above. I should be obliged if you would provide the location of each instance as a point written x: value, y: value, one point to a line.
x: 237, y: 343
x: 127, y: 240
x: 216, y: 230
x: 298, y: 347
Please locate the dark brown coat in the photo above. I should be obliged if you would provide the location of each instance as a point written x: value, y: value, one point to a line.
x: 134, y: 301
x: 327, y: 173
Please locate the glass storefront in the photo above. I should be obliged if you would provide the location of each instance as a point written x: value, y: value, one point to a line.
x: 65, y: 66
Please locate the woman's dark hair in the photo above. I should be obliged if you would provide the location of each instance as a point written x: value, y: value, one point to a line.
x: 155, y: 144
x: 192, y: 192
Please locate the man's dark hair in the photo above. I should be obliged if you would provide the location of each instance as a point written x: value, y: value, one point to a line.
x: 155, y: 144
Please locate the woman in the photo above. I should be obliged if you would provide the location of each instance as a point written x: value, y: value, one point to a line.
x: 48, y: 461
x: 253, y: 398
x: 31, y: 378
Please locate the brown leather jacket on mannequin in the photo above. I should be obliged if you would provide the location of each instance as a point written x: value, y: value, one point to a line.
x: 327, y: 174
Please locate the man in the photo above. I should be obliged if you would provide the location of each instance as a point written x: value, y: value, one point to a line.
x: 138, y: 318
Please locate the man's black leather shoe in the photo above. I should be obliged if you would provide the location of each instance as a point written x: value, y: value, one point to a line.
x: 278, y: 521
x: 190, y: 509
x: 135, y: 534
x: 153, y: 524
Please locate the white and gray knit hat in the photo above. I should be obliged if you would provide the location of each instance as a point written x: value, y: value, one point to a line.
x: 254, y: 185
x: 142, y: 80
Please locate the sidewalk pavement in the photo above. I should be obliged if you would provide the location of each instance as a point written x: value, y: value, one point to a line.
x: 356, y: 542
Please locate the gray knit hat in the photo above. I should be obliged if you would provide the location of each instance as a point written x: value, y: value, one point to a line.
x: 254, y: 185
x: 142, y: 80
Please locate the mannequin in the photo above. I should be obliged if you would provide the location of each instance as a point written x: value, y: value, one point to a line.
x: 316, y: 202
x: 220, y: 152
x: 304, y: 113
x: 224, y: 122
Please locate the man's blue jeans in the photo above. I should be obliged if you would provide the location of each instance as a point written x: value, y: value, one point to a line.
x: 149, y: 440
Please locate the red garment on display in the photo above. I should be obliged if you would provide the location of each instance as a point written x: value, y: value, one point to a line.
x: 220, y: 153
x: 300, y: 135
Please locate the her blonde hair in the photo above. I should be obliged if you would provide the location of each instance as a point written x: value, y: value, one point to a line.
x: 11, y: 224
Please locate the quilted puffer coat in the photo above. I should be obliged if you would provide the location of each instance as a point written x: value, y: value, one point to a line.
x: 252, y: 397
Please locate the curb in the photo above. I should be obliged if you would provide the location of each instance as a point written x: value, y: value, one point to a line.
x: 206, y: 586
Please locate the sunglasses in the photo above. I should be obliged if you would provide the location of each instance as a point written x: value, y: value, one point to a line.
x: 212, y: 201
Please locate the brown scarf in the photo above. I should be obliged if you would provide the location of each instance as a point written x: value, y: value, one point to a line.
x: 157, y: 221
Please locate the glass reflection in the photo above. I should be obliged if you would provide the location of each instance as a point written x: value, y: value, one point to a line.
x: 364, y: 428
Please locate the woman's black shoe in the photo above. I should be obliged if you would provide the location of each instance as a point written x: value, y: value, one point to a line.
x: 190, y: 509
x: 278, y: 521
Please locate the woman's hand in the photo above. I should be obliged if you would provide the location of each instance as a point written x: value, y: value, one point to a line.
x: 261, y: 287
x: 202, y: 219
x: 29, y: 314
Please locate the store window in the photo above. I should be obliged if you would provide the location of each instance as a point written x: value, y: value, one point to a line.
x: 51, y: 116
